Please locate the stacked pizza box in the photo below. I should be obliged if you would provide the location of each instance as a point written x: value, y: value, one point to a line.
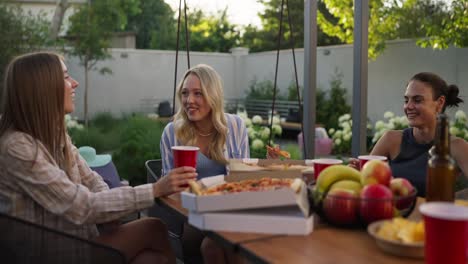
x: 273, y: 211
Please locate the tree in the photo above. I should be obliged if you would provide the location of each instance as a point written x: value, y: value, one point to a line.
x: 432, y: 22
x: 21, y: 33
x: 61, y: 7
x: 266, y: 38
x: 451, y: 29
x: 155, y: 26
x: 211, y: 32
x: 91, y: 30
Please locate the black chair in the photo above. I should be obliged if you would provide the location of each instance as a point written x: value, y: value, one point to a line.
x: 25, y: 242
x: 174, y: 224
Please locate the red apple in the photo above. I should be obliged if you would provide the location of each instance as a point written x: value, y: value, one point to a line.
x: 402, y: 190
x: 341, y: 206
x: 376, y: 171
x: 376, y: 203
x: 401, y: 187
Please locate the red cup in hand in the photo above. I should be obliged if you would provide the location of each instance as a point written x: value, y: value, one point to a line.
x: 185, y: 156
x: 446, y: 232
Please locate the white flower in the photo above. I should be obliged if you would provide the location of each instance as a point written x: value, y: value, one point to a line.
x: 347, y: 137
x: 257, y: 119
x: 265, y: 133
x: 276, y: 120
x: 257, y: 144
x: 460, y: 115
x: 388, y: 115
x: 248, y: 122
x: 337, y: 141
x: 277, y: 130
x: 454, y: 131
x: 338, y: 134
x: 331, y: 131
x: 67, y: 118
x: 345, y: 125
x: 380, y: 125
x: 344, y: 118
x: 252, y: 133
x: 242, y: 115
x: 79, y: 126
x: 369, y: 126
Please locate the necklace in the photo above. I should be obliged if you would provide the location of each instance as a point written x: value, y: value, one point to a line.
x: 205, y: 135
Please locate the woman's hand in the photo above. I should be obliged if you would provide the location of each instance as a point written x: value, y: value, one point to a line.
x: 176, y: 181
x: 354, y: 163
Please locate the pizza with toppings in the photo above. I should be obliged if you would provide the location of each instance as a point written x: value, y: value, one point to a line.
x: 253, y: 185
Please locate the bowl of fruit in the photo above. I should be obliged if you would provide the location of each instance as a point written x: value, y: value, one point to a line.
x: 344, y: 196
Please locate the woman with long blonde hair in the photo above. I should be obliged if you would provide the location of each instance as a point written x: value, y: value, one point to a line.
x: 44, y: 180
x: 202, y: 122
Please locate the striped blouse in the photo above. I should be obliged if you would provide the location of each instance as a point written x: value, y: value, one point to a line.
x: 237, y: 142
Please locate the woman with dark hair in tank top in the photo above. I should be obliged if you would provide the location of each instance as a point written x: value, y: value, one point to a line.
x: 426, y: 95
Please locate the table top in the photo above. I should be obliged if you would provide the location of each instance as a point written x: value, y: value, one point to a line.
x: 326, y: 244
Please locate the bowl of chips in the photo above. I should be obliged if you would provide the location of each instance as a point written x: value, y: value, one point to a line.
x: 399, y: 236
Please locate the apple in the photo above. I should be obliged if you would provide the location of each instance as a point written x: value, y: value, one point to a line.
x: 401, y: 187
x: 402, y: 190
x: 376, y: 171
x: 376, y: 203
x: 341, y: 206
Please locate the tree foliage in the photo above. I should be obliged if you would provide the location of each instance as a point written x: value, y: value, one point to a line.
x: 266, y: 38
x: 21, y: 33
x: 154, y: 26
x: 432, y: 22
x: 210, y: 32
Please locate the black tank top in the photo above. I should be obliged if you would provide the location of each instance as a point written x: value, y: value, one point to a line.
x: 411, y: 162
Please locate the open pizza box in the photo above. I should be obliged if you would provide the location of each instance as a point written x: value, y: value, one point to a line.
x: 288, y: 220
x: 247, y: 199
x: 287, y: 167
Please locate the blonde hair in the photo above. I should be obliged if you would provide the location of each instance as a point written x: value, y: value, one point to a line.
x: 33, y: 103
x: 212, y: 91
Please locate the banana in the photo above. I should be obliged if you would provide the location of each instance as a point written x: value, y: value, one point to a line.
x: 347, y: 184
x: 333, y: 174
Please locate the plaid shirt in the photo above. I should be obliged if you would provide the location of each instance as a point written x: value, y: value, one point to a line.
x: 43, y: 193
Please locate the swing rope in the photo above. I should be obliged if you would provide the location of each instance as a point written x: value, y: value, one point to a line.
x: 295, y: 73
x: 187, y: 46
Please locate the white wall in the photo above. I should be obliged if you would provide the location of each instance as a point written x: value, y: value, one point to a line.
x: 139, y: 74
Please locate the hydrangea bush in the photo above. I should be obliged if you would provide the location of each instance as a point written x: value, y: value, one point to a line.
x: 342, y: 137
x: 459, y: 126
x: 390, y: 122
x: 72, y: 123
x: 259, y: 134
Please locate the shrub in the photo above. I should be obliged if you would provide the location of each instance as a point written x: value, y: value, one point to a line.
x: 139, y: 141
x: 262, y: 90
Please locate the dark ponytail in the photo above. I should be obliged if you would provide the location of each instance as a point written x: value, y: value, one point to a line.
x: 452, y: 96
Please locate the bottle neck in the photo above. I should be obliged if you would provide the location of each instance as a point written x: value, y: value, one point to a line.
x: 442, y: 140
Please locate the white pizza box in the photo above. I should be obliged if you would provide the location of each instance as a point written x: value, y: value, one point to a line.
x: 280, y: 220
x: 287, y: 168
x: 244, y: 200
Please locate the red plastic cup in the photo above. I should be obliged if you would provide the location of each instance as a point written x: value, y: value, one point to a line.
x: 321, y: 164
x: 446, y: 232
x: 185, y: 156
x: 365, y: 158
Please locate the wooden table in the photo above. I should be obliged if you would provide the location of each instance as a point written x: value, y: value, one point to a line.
x: 325, y: 244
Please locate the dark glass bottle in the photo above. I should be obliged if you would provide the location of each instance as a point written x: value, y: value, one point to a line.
x: 440, y: 182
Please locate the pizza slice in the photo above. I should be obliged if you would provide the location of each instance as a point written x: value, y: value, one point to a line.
x: 277, y: 152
